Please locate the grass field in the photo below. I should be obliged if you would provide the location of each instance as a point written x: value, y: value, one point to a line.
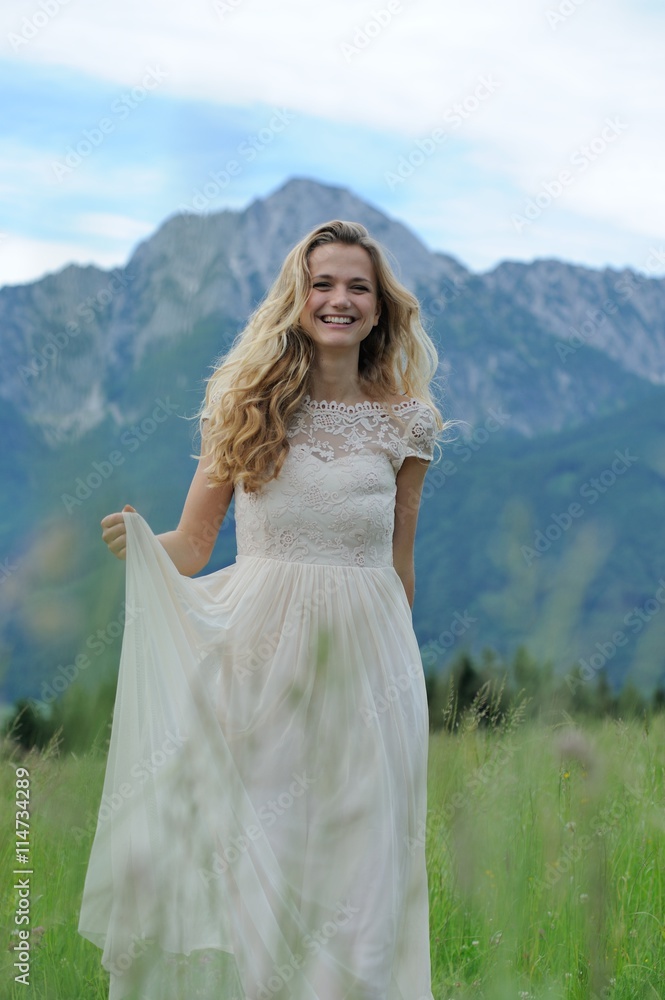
x: 546, y: 861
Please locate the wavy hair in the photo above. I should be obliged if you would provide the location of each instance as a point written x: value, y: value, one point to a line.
x: 260, y: 382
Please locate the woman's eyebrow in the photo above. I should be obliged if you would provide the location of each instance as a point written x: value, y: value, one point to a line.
x: 330, y: 276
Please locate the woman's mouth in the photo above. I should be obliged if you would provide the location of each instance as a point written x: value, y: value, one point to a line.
x: 333, y: 320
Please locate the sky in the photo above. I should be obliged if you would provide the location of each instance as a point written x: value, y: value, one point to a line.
x: 495, y: 131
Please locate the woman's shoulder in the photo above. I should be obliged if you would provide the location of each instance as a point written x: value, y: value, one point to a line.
x: 393, y: 399
x: 407, y: 404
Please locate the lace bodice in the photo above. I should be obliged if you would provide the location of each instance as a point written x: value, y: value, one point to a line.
x: 333, y: 501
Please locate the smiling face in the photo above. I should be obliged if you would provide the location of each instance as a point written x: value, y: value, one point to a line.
x: 343, y: 305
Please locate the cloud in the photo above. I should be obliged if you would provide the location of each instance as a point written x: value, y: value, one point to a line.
x: 115, y: 227
x: 367, y: 83
x: 22, y: 259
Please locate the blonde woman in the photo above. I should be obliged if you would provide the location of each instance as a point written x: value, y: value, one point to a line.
x: 261, y: 832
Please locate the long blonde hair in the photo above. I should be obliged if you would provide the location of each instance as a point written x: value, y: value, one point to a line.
x: 260, y: 382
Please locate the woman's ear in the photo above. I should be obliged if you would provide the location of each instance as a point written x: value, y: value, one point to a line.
x: 378, y: 312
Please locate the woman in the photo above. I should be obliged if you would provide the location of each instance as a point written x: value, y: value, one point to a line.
x: 261, y: 829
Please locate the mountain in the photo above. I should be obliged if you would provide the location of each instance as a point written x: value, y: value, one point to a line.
x: 555, y: 367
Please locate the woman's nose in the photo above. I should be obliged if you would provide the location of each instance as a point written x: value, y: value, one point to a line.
x: 340, y: 295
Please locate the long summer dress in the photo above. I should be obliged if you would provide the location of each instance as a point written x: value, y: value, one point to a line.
x: 262, y: 827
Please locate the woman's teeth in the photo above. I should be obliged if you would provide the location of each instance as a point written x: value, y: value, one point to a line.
x: 338, y: 319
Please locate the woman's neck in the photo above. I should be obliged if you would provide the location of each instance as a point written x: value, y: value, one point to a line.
x: 336, y: 379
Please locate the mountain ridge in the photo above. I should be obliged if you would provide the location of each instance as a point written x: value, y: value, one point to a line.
x: 87, y: 353
x: 195, y: 268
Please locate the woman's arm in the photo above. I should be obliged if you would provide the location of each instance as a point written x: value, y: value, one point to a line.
x: 409, y: 480
x: 190, y: 545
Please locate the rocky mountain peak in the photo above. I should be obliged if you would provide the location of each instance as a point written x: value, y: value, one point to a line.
x: 69, y: 336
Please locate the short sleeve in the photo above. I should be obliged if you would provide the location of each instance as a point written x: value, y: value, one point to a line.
x: 420, y: 434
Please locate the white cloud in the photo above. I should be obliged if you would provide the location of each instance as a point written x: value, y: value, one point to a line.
x: 21, y: 258
x: 424, y: 58
x: 114, y: 227
x: 557, y: 84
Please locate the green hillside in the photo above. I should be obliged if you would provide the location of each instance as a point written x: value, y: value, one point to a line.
x: 516, y: 546
x: 497, y: 538
x: 479, y: 553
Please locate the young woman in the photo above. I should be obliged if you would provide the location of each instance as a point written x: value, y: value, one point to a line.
x: 261, y: 833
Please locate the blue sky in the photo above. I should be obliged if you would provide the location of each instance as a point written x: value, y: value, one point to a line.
x: 533, y: 130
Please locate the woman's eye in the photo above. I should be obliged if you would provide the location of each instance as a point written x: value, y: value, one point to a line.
x: 355, y: 288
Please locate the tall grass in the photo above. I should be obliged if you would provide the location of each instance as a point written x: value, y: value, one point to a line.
x: 545, y: 846
x: 546, y: 858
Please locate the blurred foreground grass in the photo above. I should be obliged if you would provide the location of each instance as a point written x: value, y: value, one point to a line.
x: 546, y: 861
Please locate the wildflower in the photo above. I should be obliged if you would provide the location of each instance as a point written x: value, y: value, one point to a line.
x: 584, y: 897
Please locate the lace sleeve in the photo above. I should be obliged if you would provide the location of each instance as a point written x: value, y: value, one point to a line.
x: 420, y: 434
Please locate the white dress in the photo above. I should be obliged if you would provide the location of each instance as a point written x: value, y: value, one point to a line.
x: 262, y: 827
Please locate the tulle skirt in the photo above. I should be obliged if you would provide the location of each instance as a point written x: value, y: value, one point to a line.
x: 261, y: 832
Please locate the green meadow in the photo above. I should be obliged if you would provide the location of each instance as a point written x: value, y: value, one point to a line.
x: 545, y: 846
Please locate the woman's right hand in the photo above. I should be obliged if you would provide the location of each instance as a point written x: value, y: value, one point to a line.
x: 114, y: 532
